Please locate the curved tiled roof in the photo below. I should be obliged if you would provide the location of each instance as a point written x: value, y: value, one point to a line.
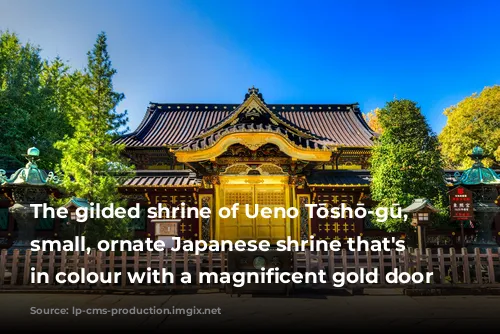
x: 174, y: 125
x: 342, y: 126
x: 161, y: 178
x: 210, y: 140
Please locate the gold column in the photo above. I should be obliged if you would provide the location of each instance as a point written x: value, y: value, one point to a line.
x: 218, y: 199
x: 289, y: 203
x: 294, y: 222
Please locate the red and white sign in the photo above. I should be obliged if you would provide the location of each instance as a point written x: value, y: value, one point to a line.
x: 461, y: 207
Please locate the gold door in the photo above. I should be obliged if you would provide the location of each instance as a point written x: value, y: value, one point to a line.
x: 274, y: 228
x: 254, y: 190
x: 241, y: 227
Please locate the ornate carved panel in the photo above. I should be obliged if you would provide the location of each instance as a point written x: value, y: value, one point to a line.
x: 265, y: 152
x: 263, y: 169
x: 206, y: 201
x: 30, y: 195
x: 237, y: 169
x: 305, y: 221
x: 270, y: 169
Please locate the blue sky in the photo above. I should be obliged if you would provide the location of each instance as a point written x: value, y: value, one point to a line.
x: 433, y: 52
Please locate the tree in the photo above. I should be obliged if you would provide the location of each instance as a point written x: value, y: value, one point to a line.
x: 406, y: 162
x: 372, y: 119
x: 91, y: 163
x: 473, y: 121
x: 32, y: 108
x: 60, y: 85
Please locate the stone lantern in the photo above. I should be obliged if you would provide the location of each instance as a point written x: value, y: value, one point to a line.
x: 421, y: 210
x: 484, y: 184
x: 29, y: 185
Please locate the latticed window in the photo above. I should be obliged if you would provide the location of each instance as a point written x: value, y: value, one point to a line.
x: 423, y: 216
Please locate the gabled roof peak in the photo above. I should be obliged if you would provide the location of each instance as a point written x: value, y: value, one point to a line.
x: 254, y: 92
x: 254, y: 110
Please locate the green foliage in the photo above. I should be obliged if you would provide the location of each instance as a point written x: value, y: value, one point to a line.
x: 91, y: 162
x: 34, y: 101
x: 473, y: 121
x: 406, y: 163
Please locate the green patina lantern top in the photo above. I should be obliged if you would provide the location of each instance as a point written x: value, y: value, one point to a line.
x: 478, y: 173
x: 33, y: 152
x: 29, y: 174
x: 477, y: 151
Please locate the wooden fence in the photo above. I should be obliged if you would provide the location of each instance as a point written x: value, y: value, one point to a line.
x: 448, y: 268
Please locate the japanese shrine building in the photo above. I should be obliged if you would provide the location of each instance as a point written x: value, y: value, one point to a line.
x: 273, y: 155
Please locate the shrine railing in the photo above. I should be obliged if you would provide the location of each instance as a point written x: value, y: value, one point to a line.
x: 450, y: 269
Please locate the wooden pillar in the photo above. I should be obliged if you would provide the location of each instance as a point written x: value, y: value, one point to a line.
x: 421, y: 237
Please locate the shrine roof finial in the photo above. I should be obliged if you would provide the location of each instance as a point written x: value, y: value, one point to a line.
x: 253, y: 91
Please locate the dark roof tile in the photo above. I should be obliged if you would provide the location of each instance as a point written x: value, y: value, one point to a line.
x: 177, y: 124
x: 161, y: 178
x: 339, y: 177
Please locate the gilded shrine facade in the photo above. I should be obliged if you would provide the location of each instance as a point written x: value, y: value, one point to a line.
x: 273, y: 155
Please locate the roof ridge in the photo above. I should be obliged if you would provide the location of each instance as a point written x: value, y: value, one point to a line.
x: 154, y: 104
